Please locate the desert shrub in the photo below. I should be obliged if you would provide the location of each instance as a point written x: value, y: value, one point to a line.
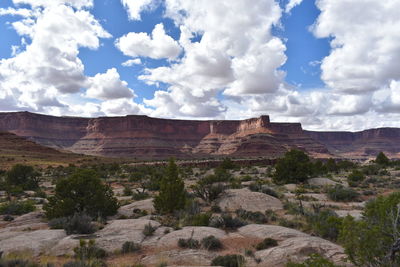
x: 266, y: 244
x: 140, y: 195
x: 17, y: 207
x: 314, y: 260
x: 21, y: 263
x: 382, y: 159
x: 295, y: 224
x: 233, y: 260
x: 372, y: 169
x: 270, y: 191
x: 129, y: 247
x: 58, y: 223
x: 216, y: 209
x: 271, y: 215
x: 356, y: 176
x: 149, y: 230
x: 373, y: 240
x: 226, y: 221
x: 81, y: 192
x: 294, y: 167
x: 211, y: 243
x: 23, y: 176
x: 79, y: 223
x: 172, y: 196
x: 256, y: 217
x: 208, y: 188
x: 201, y: 219
x: 127, y: 191
x: 325, y: 224
x: 8, y: 218
x: 188, y: 243
x: 91, y: 263
x: 89, y: 250
x: 340, y: 193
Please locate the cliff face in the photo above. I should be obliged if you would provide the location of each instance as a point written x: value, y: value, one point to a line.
x: 360, y: 144
x: 144, y: 137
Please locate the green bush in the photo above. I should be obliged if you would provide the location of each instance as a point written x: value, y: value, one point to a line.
x: 79, y: 223
x: 229, y: 261
x: 129, y: 247
x: 201, y: 219
x: 381, y: 159
x: 340, y: 193
x: 211, y: 243
x: 188, y: 243
x: 226, y: 221
x: 325, y: 224
x: 294, y: 167
x: 208, y: 188
x: 82, y: 192
x: 149, y: 230
x: 255, y: 217
x: 89, y: 250
x: 23, y: 176
x: 17, y: 207
x: 314, y: 260
x: 266, y: 244
x: 172, y: 196
x: 372, y: 241
x: 356, y: 176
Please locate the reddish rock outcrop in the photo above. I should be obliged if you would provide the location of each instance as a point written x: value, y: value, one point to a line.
x: 145, y: 137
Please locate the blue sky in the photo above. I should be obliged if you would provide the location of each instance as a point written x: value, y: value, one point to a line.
x: 203, y: 59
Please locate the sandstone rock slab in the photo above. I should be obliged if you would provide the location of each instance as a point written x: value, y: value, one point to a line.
x: 146, y: 205
x: 321, y: 182
x: 235, y: 199
x: 188, y: 257
x: 269, y: 231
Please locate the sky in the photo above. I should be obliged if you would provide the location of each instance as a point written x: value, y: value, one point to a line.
x: 329, y: 64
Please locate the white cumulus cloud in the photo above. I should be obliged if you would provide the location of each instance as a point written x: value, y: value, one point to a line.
x: 135, y: 7
x: 159, y: 45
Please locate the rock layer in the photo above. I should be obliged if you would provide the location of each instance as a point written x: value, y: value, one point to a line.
x: 137, y: 136
x: 142, y: 136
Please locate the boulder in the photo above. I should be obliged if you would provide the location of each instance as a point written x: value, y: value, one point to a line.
x: 235, y: 199
x: 115, y: 234
x: 321, y: 182
x: 36, y: 242
x: 297, y: 249
x: 269, y: 231
x: 189, y: 257
x: 146, y: 205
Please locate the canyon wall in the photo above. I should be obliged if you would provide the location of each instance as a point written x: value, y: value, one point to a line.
x: 145, y: 137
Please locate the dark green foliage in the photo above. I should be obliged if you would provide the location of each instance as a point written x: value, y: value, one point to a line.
x: 208, y: 188
x: 89, y: 250
x: 79, y: 223
x: 227, y: 164
x: 149, y: 230
x: 21, y: 263
x: 371, y: 240
x: 331, y: 165
x: 343, y: 194
x: 266, y: 244
x: 381, y: 159
x: 294, y: 167
x: 188, y: 243
x: 17, y: 207
x: 172, y: 194
x: 140, y: 195
x: 216, y: 209
x: 314, y: 260
x: 23, y: 176
x: 356, y: 176
x: 91, y: 263
x: 127, y: 191
x: 226, y: 221
x: 319, y: 168
x: 229, y: 261
x: 325, y: 224
x: 201, y: 219
x: 58, y: 223
x: 8, y: 218
x: 255, y: 217
x: 211, y: 243
x: 82, y: 192
x: 371, y: 169
x: 129, y: 247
